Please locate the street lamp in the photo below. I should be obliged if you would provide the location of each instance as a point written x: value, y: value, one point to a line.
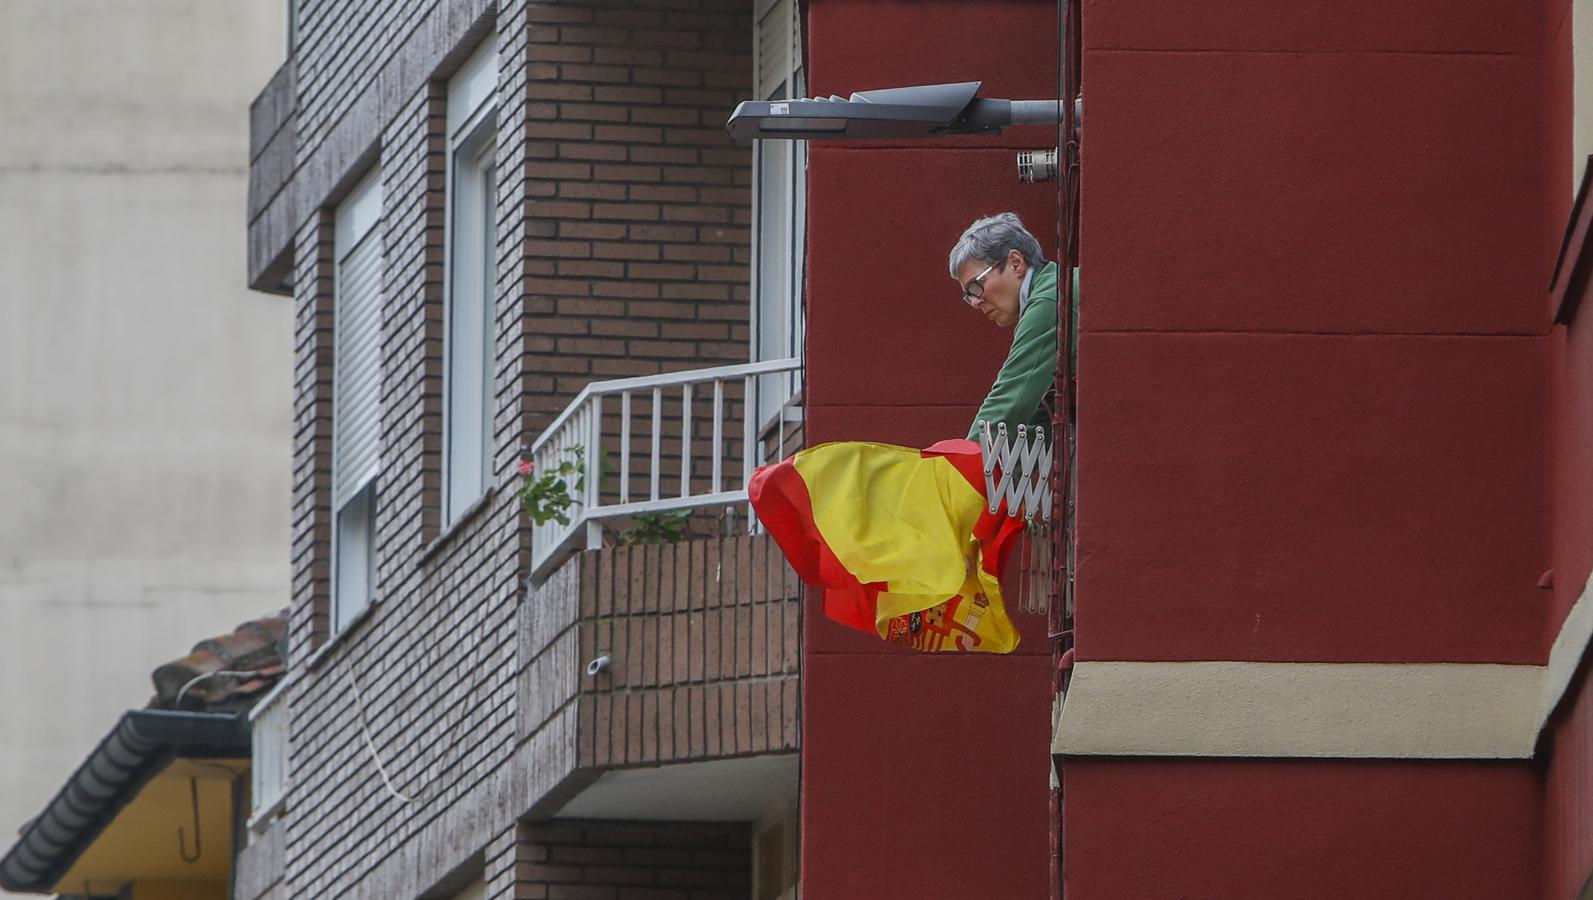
x: 923, y: 111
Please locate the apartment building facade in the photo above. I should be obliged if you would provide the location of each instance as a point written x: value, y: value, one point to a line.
x: 1315, y: 447
x: 517, y: 233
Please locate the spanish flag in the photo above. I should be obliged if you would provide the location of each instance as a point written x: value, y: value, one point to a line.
x: 901, y: 540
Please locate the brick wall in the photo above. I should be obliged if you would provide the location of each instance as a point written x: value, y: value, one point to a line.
x: 311, y: 512
x: 430, y: 668
x: 257, y: 867
x: 342, y: 45
x: 703, y: 637
x: 603, y: 860
x: 703, y: 641
x: 623, y: 240
x: 637, y: 205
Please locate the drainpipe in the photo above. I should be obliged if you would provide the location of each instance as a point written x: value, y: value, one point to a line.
x: 1063, y: 478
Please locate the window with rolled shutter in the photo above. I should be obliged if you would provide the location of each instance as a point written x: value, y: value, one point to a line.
x: 356, y: 397
x: 779, y: 193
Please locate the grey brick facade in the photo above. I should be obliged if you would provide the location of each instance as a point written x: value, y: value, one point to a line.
x: 623, y: 248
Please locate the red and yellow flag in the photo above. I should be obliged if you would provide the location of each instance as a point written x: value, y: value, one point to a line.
x: 901, y: 540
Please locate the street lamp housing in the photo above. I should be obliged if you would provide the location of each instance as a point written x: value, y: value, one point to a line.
x: 923, y: 111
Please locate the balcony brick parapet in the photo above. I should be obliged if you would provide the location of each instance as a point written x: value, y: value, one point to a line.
x: 702, y: 642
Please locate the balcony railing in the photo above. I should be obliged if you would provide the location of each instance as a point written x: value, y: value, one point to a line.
x: 1017, y: 471
x: 659, y: 444
x: 268, y: 764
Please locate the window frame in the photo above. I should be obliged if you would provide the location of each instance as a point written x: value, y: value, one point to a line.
x: 357, y: 221
x: 785, y: 78
x: 469, y: 196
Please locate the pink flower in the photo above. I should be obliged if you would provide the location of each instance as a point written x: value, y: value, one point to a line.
x: 527, y: 467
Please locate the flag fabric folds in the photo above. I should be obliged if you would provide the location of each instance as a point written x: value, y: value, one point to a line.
x: 901, y: 540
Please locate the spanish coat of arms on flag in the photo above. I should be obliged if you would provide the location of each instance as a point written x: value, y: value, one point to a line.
x: 901, y: 540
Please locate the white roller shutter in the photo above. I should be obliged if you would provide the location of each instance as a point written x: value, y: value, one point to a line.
x: 357, y: 330
x: 775, y: 52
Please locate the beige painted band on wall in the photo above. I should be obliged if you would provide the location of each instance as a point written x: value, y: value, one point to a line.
x: 1327, y: 710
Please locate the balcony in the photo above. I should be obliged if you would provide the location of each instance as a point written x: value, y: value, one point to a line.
x: 655, y: 668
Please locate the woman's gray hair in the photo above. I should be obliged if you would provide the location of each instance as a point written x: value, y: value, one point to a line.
x: 990, y: 239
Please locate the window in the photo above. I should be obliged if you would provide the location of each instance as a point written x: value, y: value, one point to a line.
x: 779, y: 173
x: 356, y: 397
x: 472, y: 268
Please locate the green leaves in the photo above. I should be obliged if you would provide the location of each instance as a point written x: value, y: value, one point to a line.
x: 548, y: 496
x: 655, y: 528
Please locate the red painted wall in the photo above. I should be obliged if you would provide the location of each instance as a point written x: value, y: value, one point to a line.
x: 1567, y: 752
x: 1311, y: 419
x: 1311, y: 427
x: 1301, y: 829
x: 1568, y: 745
x: 1310, y: 396
x: 923, y: 777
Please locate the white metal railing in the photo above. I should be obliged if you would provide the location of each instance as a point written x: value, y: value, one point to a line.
x: 268, y: 758
x: 602, y: 416
x: 1018, y: 474
x: 1017, y: 470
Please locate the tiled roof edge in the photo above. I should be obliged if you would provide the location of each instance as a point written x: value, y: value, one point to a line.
x: 134, y: 751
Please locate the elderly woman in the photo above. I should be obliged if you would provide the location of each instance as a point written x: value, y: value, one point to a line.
x: 1002, y: 273
x: 900, y: 538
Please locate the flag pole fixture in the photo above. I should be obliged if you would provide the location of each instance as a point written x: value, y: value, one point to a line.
x: 923, y: 111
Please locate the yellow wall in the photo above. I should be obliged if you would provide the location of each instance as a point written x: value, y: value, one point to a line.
x: 179, y: 890
x: 141, y: 845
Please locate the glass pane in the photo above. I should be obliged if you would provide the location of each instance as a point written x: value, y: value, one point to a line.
x: 774, y: 249
x: 772, y: 288
x: 489, y: 279
x: 468, y: 322
x: 353, y: 563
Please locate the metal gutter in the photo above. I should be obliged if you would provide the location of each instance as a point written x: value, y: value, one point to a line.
x: 141, y: 744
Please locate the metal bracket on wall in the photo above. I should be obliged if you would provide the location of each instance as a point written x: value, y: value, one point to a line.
x: 182, y: 842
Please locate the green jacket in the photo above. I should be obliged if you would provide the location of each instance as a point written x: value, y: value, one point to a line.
x: 1019, y: 395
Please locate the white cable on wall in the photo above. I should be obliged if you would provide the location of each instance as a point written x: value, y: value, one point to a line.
x: 370, y: 744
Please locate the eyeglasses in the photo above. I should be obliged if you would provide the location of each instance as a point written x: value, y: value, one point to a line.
x: 974, y: 290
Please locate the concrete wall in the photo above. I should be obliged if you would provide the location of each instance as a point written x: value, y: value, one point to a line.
x: 144, y: 393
